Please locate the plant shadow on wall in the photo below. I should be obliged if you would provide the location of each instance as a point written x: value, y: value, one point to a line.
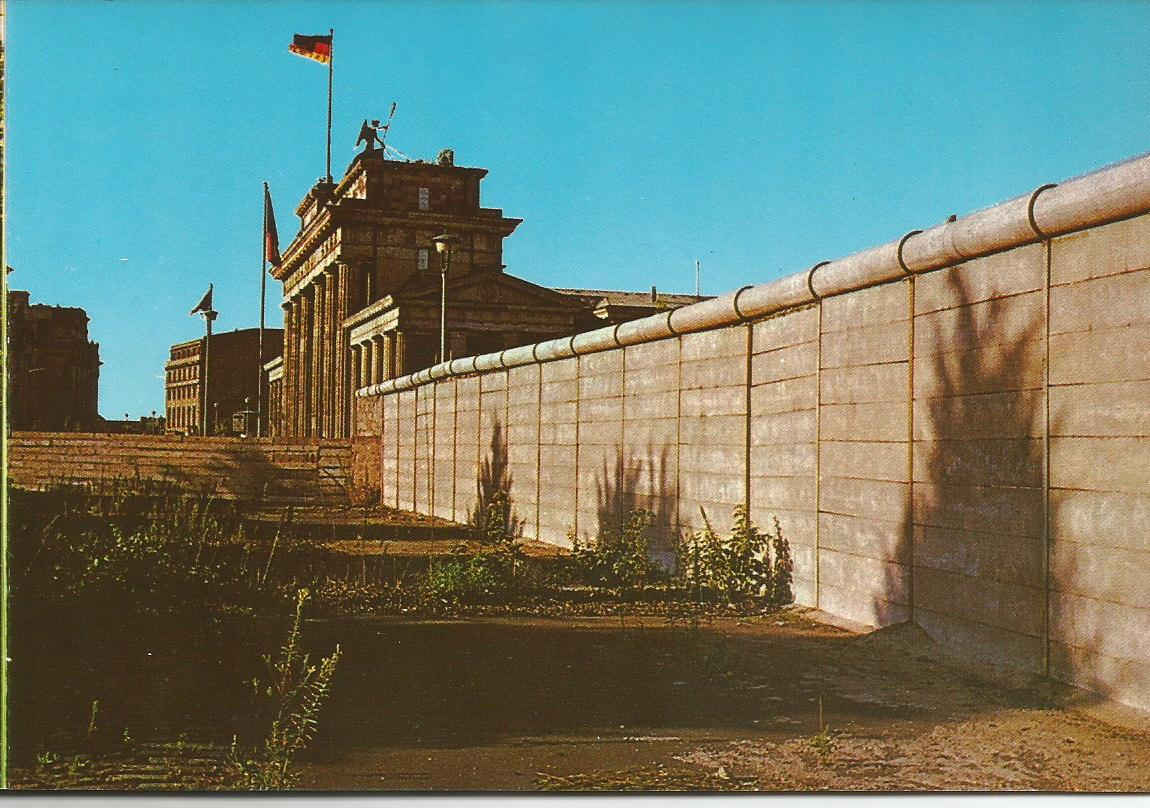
x: 639, y: 486
x: 497, y: 571
x: 493, y: 518
x: 976, y: 516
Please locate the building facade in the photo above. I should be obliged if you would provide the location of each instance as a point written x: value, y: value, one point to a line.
x: 54, y: 370
x: 363, y: 289
x: 233, y: 376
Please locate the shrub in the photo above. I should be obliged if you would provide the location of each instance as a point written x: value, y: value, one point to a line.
x: 491, y: 574
x: 618, y: 558
x: 494, y: 521
x: 747, y: 563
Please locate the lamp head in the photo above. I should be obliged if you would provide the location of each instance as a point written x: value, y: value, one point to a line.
x: 445, y: 242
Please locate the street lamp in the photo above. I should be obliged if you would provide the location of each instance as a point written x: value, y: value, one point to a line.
x: 209, y: 317
x: 444, y: 243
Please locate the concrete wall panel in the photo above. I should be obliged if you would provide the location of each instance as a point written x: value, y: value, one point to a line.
x: 424, y: 447
x: 443, y: 479
x: 1113, y: 301
x: 1117, y: 409
x: 874, y: 306
x: 1101, y: 518
x: 523, y: 435
x: 1100, y: 251
x: 1013, y: 414
x: 973, y: 554
x: 1110, y: 464
x: 389, y: 452
x: 1101, y: 355
x: 995, y: 276
x: 467, y: 446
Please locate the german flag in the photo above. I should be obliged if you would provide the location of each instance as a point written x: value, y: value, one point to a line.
x: 317, y: 48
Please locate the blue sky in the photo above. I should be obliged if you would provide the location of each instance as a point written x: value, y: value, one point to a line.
x: 632, y: 138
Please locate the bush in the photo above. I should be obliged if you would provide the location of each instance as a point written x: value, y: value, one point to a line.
x: 494, y: 521
x: 747, y: 563
x: 491, y: 574
x: 618, y: 558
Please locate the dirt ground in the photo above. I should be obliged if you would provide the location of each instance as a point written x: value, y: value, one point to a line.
x: 770, y: 702
x: 945, y: 730
x: 894, y: 719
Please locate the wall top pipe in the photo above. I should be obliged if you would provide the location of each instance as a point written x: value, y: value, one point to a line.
x: 1115, y: 192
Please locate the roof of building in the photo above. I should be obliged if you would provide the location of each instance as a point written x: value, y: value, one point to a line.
x: 610, y: 297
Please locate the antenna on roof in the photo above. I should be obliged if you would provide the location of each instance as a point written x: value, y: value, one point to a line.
x: 696, y: 279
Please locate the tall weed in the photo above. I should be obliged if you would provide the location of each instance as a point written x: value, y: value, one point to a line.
x: 293, y: 693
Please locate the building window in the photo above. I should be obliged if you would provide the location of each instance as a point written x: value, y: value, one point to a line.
x: 423, y: 259
x: 424, y: 199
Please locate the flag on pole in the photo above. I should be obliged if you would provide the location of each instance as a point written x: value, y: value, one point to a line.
x: 205, y: 303
x: 317, y: 48
x: 271, y: 237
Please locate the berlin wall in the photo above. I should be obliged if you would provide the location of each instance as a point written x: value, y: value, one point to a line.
x: 951, y: 428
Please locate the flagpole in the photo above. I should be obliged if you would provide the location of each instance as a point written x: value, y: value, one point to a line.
x: 330, y: 73
x: 263, y: 307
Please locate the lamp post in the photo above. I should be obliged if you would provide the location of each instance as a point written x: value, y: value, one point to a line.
x: 209, y: 317
x: 444, y: 243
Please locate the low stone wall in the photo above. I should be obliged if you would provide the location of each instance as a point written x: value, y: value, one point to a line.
x: 952, y: 428
x: 278, y: 470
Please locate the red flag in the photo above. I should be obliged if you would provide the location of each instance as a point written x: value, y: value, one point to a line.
x: 312, y: 47
x: 271, y: 237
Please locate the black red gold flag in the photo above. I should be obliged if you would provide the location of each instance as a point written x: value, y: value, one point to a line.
x: 317, y: 48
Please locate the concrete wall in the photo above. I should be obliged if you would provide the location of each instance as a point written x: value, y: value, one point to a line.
x: 234, y: 468
x: 951, y: 429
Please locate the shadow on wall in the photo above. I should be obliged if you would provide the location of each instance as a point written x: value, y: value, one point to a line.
x: 976, y: 515
x: 619, y: 492
x: 494, y: 514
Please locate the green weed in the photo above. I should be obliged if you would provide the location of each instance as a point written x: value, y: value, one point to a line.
x: 294, y: 690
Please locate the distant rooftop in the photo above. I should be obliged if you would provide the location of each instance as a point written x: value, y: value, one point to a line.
x: 609, y: 297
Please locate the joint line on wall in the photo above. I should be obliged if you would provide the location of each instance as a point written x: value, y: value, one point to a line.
x: 909, y: 525
x: 747, y: 420
x: 1048, y: 257
x: 818, y: 445
x: 454, y: 442
x: 578, y: 398
x: 538, y: 450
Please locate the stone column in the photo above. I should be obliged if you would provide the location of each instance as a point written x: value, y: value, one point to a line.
x: 291, y: 425
x: 378, y: 369
x: 365, y: 363
x: 389, y: 355
x: 400, y: 355
x: 355, y: 380
x: 331, y: 330
x: 341, y: 350
x: 303, y: 365
x: 316, y: 398
x: 285, y: 384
